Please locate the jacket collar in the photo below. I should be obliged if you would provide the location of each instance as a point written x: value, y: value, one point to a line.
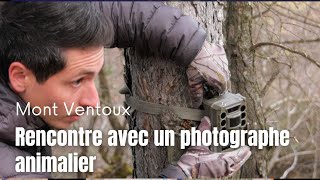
x: 9, y: 119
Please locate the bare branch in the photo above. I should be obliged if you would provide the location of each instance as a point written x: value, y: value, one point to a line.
x: 293, y: 81
x: 301, y: 41
x: 297, y: 154
x: 298, y: 14
x: 264, y: 12
x: 254, y: 47
x: 276, y: 105
x: 269, y: 82
x: 275, y: 158
x: 311, y: 7
x: 274, y: 59
x: 259, y: 31
x: 294, y: 18
x: 293, y: 165
x: 291, y: 32
x: 302, y: 27
x: 302, y: 117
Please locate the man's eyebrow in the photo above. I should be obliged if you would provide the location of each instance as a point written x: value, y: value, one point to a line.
x: 86, y: 72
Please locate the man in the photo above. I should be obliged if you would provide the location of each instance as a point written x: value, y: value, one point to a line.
x: 51, y: 52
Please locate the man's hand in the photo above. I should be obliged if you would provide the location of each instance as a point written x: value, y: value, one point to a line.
x: 200, y: 162
x: 209, y: 67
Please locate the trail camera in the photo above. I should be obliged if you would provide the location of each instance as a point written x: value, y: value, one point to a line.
x: 226, y: 112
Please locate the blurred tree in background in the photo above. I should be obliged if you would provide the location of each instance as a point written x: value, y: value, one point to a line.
x: 285, y: 37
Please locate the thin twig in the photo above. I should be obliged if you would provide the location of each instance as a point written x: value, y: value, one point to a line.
x: 302, y: 117
x: 311, y: 7
x: 301, y: 41
x: 269, y: 82
x: 260, y: 14
x: 293, y: 18
x: 286, y: 48
x: 298, y: 14
x: 273, y: 59
x: 275, y: 158
x: 293, y: 165
x: 276, y: 105
x: 302, y: 27
x: 290, y: 31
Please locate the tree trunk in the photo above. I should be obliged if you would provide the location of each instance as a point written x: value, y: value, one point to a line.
x: 243, y: 77
x: 160, y: 81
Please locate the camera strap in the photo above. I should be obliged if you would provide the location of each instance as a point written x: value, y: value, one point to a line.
x: 157, y: 109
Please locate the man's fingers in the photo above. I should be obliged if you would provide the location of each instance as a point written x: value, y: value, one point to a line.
x: 196, y: 95
x: 195, y: 81
x: 237, y: 158
x: 244, y: 155
x: 215, y: 84
x: 229, y: 162
x: 205, y: 124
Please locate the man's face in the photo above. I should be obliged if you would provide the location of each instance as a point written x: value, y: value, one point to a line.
x: 74, y: 84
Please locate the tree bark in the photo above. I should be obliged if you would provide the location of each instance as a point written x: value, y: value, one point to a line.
x: 161, y: 81
x: 243, y: 77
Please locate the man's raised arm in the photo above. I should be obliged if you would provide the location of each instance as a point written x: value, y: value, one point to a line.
x: 156, y: 28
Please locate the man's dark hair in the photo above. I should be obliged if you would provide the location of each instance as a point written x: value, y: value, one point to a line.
x: 34, y: 33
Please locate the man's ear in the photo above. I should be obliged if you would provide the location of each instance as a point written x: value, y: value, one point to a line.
x: 20, y: 77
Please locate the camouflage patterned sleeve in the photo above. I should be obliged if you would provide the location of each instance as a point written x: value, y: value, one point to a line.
x: 172, y: 172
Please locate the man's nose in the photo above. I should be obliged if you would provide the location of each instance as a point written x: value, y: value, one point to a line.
x: 90, y: 96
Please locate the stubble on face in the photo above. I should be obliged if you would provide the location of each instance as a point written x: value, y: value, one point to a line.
x: 73, y: 85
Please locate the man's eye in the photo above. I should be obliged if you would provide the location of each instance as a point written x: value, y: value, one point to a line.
x: 77, y: 83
